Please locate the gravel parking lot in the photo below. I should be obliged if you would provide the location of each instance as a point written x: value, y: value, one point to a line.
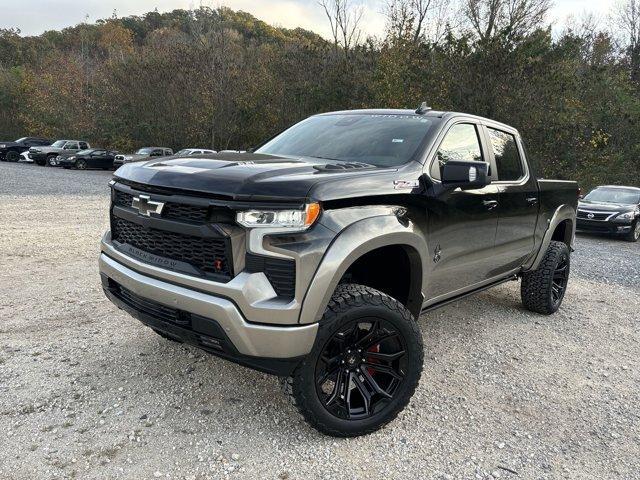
x: 88, y: 392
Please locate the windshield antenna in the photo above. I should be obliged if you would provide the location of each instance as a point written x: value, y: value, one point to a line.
x: 423, y: 108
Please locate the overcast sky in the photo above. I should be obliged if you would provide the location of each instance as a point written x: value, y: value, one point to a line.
x: 33, y: 17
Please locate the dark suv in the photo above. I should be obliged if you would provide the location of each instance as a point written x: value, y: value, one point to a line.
x: 10, y: 151
x: 611, y: 209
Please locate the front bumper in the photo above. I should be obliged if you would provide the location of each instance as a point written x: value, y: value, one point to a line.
x: 597, y: 226
x: 213, y: 323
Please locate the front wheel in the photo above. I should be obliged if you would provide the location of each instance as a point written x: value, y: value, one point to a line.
x: 81, y: 164
x: 634, y: 234
x: 51, y: 161
x: 543, y: 289
x: 364, y: 366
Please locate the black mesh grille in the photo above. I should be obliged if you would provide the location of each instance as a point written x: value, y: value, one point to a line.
x: 280, y: 272
x: 123, y: 199
x: 210, y: 255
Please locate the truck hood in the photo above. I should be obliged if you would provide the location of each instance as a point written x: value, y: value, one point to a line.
x: 605, y: 207
x: 251, y: 176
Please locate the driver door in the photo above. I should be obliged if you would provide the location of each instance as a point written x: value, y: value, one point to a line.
x: 462, y: 224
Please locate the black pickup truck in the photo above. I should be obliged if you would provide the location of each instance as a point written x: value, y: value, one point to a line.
x: 313, y: 257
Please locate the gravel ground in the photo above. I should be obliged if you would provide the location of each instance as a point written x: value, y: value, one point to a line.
x: 87, y: 392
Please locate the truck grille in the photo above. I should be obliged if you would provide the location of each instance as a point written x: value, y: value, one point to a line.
x: 179, y: 211
x: 209, y: 255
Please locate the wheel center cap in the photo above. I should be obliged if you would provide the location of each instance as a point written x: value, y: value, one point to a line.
x: 352, y: 359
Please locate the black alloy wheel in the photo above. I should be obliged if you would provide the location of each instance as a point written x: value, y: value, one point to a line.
x: 361, y: 368
x: 12, y: 156
x: 364, y: 366
x: 543, y: 289
x: 560, y: 278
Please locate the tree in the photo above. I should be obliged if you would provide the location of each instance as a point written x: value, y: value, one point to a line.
x: 513, y: 18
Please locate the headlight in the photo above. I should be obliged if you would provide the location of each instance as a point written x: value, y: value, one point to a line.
x: 627, y: 216
x: 72, y: 158
x: 301, y: 219
x: 2, y: 145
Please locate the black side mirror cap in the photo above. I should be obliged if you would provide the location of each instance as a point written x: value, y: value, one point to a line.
x: 464, y: 174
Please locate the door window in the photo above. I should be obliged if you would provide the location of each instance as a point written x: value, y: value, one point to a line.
x: 505, y: 151
x: 460, y: 143
x: 83, y: 145
x: 98, y: 153
x: 71, y: 146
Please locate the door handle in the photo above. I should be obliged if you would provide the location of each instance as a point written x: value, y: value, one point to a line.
x: 532, y: 200
x: 490, y: 204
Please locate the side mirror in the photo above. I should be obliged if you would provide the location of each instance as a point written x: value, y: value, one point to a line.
x: 464, y: 174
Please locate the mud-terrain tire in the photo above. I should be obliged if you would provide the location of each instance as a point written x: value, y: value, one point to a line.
x: 383, y: 361
x: 542, y: 290
x: 634, y: 234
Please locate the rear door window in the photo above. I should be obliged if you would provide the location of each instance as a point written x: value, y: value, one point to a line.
x: 505, y: 151
x: 460, y: 143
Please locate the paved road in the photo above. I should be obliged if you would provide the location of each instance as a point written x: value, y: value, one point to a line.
x: 86, y: 392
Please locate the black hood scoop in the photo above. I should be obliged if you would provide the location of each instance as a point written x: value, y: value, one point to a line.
x: 343, y: 167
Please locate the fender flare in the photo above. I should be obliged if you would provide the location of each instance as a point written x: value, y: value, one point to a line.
x: 562, y: 213
x: 352, y: 243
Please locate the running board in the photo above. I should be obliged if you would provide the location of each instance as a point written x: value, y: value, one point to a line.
x: 510, y: 278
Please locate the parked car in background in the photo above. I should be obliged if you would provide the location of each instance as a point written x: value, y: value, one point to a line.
x: 46, y: 156
x: 185, y: 152
x: 10, y: 151
x: 91, y: 158
x: 611, y: 209
x: 142, y: 154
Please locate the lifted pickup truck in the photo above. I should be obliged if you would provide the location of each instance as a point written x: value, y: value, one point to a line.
x: 313, y: 257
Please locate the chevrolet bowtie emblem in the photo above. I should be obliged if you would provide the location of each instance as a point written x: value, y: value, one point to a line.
x: 146, y: 206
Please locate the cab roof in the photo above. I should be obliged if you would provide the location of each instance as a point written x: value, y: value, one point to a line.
x: 446, y: 115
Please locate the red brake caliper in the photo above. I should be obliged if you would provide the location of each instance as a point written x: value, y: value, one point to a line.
x: 375, y: 349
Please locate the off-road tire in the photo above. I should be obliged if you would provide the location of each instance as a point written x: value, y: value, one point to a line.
x: 634, y: 234
x: 348, y: 303
x: 536, y: 286
x: 12, y: 156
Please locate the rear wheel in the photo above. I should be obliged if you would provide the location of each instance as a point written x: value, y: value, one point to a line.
x: 364, y: 366
x: 634, y: 234
x: 543, y: 289
x: 12, y: 156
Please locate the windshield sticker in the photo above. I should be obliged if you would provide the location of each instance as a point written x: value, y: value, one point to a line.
x: 398, y: 140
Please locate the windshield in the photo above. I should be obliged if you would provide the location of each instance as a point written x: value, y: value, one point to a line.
x: 614, y: 195
x: 21, y: 140
x: 58, y: 143
x: 184, y: 151
x: 144, y: 151
x: 84, y: 152
x: 380, y: 140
